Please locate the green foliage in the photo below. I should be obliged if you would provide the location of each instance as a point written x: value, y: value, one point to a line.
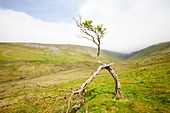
x: 96, y: 29
x: 88, y: 24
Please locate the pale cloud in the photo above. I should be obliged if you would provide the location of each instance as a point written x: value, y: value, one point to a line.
x: 132, y: 24
x: 19, y: 27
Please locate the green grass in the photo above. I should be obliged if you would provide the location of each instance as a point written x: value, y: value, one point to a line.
x: 152, y: 50
x: 38, y: 84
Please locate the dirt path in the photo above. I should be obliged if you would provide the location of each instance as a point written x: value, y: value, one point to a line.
x: 51, y: 79
x: 5, y: 53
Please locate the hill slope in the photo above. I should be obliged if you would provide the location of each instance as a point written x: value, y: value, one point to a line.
x: 38, y: 78
x: 64, y: 53
x: 29, y: 60
x: 35, y: 51
x: 156, y: 49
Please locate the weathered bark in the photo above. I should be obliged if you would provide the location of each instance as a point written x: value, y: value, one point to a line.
x: 114, y: 75
x: 82, y: 88
x: 117, y: 82
x: 84, y: 85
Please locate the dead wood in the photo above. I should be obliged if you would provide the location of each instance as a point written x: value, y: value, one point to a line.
x: 82, y: 88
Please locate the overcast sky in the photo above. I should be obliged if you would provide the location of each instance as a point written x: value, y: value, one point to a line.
x: 131, y: 24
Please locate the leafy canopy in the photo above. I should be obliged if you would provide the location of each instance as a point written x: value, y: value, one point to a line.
x: 96, y: 29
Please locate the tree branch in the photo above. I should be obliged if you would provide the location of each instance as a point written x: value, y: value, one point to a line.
x: 80, y: 36
x: 84, y: 30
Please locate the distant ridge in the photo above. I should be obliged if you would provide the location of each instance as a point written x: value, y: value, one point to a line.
x: 87, y: 52
x: 155, y: 49
x: 117, y: 54
x: 159, y: 48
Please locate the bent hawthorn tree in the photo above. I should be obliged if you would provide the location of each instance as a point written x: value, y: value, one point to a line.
x: 94, y: 34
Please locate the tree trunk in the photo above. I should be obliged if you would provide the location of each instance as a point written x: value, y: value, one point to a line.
x: 82, y: 88
x: 117, y: 82
x: 84, y: 85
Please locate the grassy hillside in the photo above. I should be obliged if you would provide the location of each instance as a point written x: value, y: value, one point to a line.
x: 44, y: 52
x: 37, y: 78
x: 156, y: 49
x: 25, y: 61
x: 148, y: 51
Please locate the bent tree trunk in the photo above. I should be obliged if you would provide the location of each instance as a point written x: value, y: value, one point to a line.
x: 82, y: 88
x: 117, y: 82
x: 114, y: 75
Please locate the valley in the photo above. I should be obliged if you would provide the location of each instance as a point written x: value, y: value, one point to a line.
x: 33, y: 78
